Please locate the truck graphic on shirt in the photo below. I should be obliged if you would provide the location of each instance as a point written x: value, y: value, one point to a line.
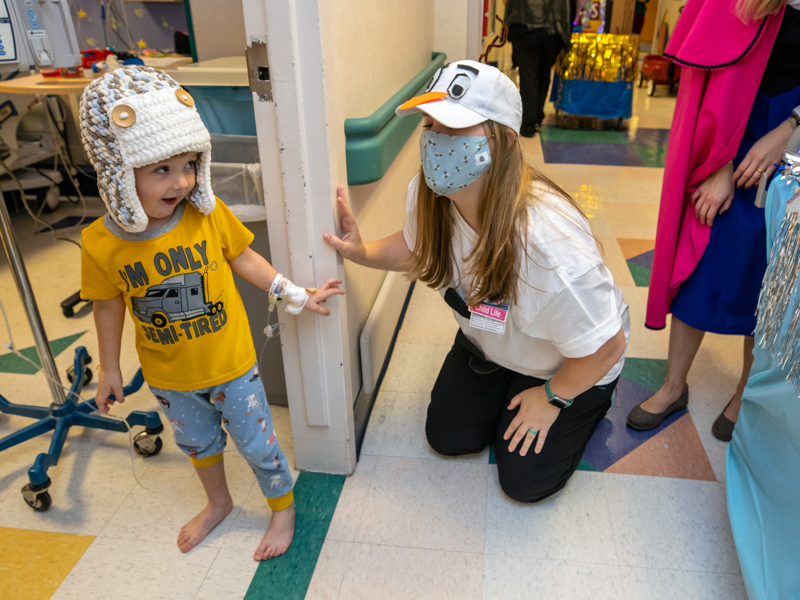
x: 177, y: 298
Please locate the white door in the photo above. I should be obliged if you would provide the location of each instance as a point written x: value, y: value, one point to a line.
x: 293, y: 146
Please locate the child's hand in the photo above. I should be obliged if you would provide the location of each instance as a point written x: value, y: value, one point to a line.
x: 317, y: 296
x: 109, y: 382
x: 350, y: 245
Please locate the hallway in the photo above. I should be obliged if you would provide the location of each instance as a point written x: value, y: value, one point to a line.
x: 644, y: 518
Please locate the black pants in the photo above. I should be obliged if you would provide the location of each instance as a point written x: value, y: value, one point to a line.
x: 534, y: 52
x: 468, y: 410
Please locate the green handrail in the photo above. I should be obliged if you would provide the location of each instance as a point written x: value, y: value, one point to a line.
x: 373, y: 142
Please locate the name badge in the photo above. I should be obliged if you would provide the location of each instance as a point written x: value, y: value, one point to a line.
x: 489, y: 317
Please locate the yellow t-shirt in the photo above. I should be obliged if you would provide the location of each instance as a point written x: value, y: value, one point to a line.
x: 191, y: 326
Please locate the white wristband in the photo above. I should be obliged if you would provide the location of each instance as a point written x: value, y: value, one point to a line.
x: 273, y: 289
x: 296, y: 297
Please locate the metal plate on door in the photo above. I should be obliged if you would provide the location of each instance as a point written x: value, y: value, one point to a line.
x: 258, y: 68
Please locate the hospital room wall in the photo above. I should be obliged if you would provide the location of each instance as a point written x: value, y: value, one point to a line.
x: 367, y: 60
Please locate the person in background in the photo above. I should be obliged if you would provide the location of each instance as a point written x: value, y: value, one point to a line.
x: 538, y: 30
x: 740, y: 84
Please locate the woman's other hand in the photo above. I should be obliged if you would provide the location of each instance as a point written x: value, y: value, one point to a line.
x: 714, y: 196
x: 350, y: 245
x: 535, y: 413
x: 763, y: 156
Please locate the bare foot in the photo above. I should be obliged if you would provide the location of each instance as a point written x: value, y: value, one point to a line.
x: 198, y: 528
x: 279, y: 535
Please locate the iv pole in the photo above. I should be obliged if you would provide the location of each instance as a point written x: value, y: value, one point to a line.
x: 31, y: 309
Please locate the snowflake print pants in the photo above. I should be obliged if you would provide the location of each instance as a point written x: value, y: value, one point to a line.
x: 197, y: 420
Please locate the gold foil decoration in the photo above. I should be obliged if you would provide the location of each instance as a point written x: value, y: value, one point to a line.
x: 599, y: 57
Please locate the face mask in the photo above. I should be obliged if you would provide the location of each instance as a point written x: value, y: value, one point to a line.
x: 451, y: 163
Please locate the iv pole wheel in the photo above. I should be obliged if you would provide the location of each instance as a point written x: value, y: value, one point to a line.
x: 146, y: 444
x: 38, y: 501
x: 87, y: 374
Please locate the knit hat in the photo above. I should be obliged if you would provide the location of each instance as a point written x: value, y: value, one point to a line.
x: 465, y: 93
x: 137, y: 116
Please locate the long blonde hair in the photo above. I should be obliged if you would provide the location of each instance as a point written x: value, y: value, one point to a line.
x: 494, y: 263
x: 755, y: 10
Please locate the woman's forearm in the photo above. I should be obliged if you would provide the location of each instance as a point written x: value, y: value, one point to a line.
x: 577, y: 375
x: 388, y: 254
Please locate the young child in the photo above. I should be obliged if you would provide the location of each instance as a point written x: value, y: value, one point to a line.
x: 543, y: 328
x: 167, y: 249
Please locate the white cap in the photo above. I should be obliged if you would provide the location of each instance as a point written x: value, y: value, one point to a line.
x: 465, y: 93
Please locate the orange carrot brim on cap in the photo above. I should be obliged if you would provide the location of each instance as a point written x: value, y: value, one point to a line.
x: 423, y: 99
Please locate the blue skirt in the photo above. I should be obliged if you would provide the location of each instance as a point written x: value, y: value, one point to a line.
x: 720, y: 296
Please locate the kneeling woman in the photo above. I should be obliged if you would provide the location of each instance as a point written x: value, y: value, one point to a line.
x: 543, y: 328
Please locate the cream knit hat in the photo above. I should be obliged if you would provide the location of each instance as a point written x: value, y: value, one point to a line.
x: 136, y: 116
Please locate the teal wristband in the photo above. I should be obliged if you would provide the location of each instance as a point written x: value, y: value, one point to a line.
x: 556, y: 400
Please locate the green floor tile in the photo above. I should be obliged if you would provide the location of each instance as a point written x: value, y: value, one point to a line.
x: 287, y: 577
x: 556, y: 134
x: 641, y: 276
x: 585, y: 466
x: 649, y: 373
x: 652, y: 156
x: 11, y: 363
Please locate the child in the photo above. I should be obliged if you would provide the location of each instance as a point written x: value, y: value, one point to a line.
x: 543, y: 328
x: 167, y: 250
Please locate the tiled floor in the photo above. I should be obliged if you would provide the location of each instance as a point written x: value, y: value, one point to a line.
x: 645, y: 517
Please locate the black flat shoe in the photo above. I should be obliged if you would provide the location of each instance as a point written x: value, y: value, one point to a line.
x: 642, y: 420
x: 722, y: 429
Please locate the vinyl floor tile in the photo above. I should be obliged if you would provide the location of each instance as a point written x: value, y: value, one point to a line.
x: 116, y: 569
x: 88, y: 485
x: 174, y: 497
x: 414, y: 368
x: 34, y: 563
x: 675, y: 452
x: 392, y: 573
x: 517, y: 577
x: 665, y: 523
x: 330, y: 570
x: 229, y: 576
x: 428, y: 323
x: 432, y: 504
x: 405, y: 431
x: 716, y: 450
x: 378, y: 422
x: 344, y: 524
x: 655, y: 584
x: 574, y: 524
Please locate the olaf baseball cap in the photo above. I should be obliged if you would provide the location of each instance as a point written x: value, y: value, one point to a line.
x: 464, y: 93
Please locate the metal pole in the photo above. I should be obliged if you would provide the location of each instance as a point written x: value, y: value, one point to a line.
x: 26, y: 294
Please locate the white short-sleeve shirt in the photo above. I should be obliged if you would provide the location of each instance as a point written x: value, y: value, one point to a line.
x: 567, y: 303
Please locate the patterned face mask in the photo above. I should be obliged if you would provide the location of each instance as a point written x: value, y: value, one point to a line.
x: 450, y: 162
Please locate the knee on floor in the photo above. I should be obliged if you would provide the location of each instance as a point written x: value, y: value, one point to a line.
x: 529, y: 491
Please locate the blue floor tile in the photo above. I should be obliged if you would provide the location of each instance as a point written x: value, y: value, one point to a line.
x: 613, y: 439
x: 591, y: 154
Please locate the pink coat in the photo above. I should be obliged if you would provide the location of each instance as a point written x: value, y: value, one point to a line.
x: 723, y: 60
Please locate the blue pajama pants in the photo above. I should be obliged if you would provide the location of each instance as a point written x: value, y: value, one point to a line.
x: 241, y: 405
